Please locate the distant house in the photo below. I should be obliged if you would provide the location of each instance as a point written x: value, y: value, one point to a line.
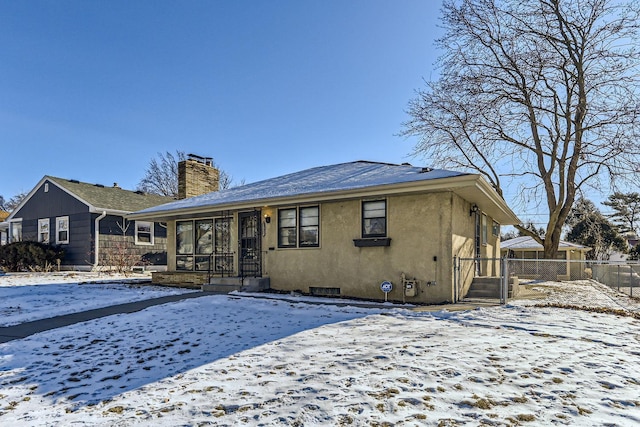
x: 4, y: 227
x: 339, y: 230
x: 89, y: 221
x: 526, y: 248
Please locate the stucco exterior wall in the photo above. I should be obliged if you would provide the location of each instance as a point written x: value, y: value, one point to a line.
x: 426, y: 231
x: 419, y: 227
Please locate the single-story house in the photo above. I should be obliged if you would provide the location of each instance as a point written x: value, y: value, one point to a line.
x: 89, y: 221
x: 342, y: 230
x: 565, y: 267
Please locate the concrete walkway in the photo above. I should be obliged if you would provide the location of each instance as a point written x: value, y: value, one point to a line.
x: 23, y: 330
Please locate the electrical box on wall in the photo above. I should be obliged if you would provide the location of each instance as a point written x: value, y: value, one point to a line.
x: 411, y: 288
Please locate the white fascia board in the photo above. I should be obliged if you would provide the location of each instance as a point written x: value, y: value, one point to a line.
x: 38, y: 185
x: 26, y: 198
x: 115, y: 212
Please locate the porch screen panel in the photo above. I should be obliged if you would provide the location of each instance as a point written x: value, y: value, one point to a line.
x: 223, y: 255
x: 184, y: 245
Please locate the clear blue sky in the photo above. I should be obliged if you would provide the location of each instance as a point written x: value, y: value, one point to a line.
x: 93, y: 90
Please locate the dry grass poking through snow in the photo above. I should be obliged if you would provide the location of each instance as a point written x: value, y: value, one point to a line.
x: 229, y: 361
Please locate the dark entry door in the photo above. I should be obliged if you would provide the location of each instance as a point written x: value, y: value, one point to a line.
x: 250, y: 244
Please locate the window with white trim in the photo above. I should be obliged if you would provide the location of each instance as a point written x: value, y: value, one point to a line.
x: 144, y: 233
x: 16, y: 231
x: 62, y: 230
x: 43, y: 230
x: 374, y: 218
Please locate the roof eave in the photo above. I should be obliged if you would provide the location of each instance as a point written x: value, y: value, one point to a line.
x: 477, y: 191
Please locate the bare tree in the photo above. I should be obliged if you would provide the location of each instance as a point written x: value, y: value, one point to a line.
x: 12, y: 203
x: 161, y: 177
x: 540, y: 93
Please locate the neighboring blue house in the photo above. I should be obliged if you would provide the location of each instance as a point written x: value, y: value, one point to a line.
x: 89, y: 221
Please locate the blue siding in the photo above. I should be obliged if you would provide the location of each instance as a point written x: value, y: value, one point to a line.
x: 52, y: 204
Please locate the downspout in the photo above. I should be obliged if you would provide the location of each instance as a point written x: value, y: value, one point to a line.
x: 97, y: 238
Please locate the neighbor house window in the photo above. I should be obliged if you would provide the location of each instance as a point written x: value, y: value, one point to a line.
x: 374, y: 218
x: 16, y: 231
x: 197, y: 241
x: 43, y: 230
x: 299, y: 227
x: 144, y: 233
x: 62, y: 230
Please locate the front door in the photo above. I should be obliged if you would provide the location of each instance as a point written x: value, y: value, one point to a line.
x: 250, y: 243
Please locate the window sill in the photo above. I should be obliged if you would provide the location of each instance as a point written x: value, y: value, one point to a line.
x: 372, y: 241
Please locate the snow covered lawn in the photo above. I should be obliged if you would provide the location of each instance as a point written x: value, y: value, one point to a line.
x: 239, y: 360
x: 32, y: 296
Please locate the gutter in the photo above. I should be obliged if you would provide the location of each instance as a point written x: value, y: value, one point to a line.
x: 97, y: 238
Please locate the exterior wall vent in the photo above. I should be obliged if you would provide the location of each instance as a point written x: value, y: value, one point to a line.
x: 324, y: 291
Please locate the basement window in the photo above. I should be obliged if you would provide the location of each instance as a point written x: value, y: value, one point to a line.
x: 324, y: 291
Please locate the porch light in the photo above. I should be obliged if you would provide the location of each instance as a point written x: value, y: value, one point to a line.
x: 474, y: 209
x: 267, y: 218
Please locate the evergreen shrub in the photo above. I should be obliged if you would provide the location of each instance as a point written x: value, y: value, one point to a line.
x: 30, y: 256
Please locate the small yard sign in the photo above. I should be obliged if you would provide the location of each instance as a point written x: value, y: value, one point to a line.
x: 386, y: 287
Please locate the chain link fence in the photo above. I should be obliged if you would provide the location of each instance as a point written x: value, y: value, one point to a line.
x: 624, y: 277
x: 510, y: 277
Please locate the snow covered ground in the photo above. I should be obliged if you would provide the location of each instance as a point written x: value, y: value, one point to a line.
x: 31, y: 296
x: 240, y: 360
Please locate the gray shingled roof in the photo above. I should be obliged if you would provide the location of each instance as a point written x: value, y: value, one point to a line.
x: 319, y: 180
x: 110, y: 198
x: 527, y: 242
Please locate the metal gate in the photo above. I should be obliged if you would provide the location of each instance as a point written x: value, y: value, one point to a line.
x: 467, y: 269
x: 250, y: 244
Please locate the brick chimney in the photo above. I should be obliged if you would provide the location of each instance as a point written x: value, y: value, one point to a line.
x: 196, y: 176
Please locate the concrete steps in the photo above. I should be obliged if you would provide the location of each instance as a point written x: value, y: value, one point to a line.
x: 230, y: 284
x: 489, y: 287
